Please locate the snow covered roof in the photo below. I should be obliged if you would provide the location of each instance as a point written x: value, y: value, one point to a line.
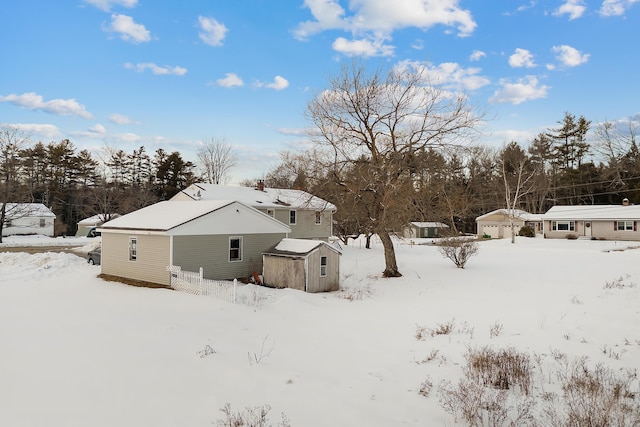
x: 96, y: 219
x: 267, y: 198
x: 19, y: 210
x: 604, y: 212
x: 181, y: 218
x: 518, y: 213
x: 429, y: 224
x: 297, y: 247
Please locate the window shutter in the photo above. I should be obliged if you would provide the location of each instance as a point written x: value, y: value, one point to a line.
x: 615, y: 226
x: 635, y: 228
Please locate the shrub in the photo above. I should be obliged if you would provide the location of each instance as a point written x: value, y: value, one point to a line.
x: 249, y: 417
x: 571, y: 236
x: 486, y: 236
x: 458, y: 250
x: 527, y: 231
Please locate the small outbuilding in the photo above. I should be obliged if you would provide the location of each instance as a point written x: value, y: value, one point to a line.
x: 306, y: 265
x: 88, y: 225
x: 429, y: 229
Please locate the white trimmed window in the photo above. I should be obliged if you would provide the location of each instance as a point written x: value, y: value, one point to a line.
x: 292, y: 217
x: 133, y: 248
x: 624, y: 225
x: 563, y: 225
x: 235, y: 249
x: 318, y: 218
x: 323, y: 266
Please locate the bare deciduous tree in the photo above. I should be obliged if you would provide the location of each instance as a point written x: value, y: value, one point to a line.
x: 217, y: 158
x: 387, y: 119
x: 12, y: 141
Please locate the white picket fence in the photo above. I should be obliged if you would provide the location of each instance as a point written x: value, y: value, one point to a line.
x: 194, y: 283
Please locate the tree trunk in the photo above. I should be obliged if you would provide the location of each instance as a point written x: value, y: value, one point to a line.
x: 391, y: 268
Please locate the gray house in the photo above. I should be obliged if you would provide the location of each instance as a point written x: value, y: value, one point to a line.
x: 225, y: 238
x: 306, y: 265
x: 608, y: 222
x: 308, y: 216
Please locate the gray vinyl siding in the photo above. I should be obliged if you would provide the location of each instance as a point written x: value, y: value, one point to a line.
x: 600, y: 229
x: 212, y: 254
x: 293, y: 271
x: 305, y: 226
x: 152, y: 257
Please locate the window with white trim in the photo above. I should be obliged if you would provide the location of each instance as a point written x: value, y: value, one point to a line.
x: 563, y: 225
x: 625, y: 225
x: 292, y: 217
x: 323, y: 266
x: 318, y: 218
x: 235, y: 248
x: 133, y: 248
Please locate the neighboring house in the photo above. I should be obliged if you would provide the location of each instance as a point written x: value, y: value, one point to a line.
x: 28, y: 218
x: 425, y: 229
x: 610, y: 222
x: 225, y: 238
x: 308, y: 216
x: 88, y: 224
x: 498, y: 225
x: 306, y: 265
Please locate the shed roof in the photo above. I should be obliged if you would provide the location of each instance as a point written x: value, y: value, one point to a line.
x: 96, y: 219
x: 518, y: 213
x: 267, y: 198
x: 594, y: 212
x: 429, y: 224
x: 298, y: 247
x: 168, y: 216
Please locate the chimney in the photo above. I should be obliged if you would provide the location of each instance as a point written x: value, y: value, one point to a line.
x: 625, y: 202
x: 260, y: 186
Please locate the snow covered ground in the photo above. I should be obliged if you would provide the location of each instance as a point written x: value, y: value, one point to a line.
x: 78, y: 351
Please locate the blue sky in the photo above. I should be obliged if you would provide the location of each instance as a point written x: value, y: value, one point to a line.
x: 169, y: 74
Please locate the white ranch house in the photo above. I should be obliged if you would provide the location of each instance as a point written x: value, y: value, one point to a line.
x: 28, y: 218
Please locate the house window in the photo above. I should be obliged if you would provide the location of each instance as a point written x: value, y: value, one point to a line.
x: 270, y: 213
x: 318, y: 218
x: 323, y: 266
x: 133, y: 248
x: 624, y: 225
x: 7, y: 223
x: 43, y: 222
x: 235, y: 248
x: 563, y: 225
x: 292, y: 217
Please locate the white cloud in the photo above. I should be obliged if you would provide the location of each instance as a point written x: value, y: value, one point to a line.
x: 476, y: 55
x: 45, y: 131
x: 570, y: 56
x: 521, y: 58
x: 382, y: 17
x: 156, y: 69
x: 230, y: 80
x: 449, y: 74
x: 129, y: 30
x: 362, y: 47
x: 107, y: 4
x: 211, y: 32
x: 279, y: 83
x: 525, y: 89
x: 98, y: 128
x: 616, y: 7
x: 574, y: 8
x: 62, y: 107
x: 119, y: 119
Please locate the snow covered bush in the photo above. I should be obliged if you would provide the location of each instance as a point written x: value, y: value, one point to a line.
x: 458, y: 250
x: 527, y: 231
x: 249, y: 417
